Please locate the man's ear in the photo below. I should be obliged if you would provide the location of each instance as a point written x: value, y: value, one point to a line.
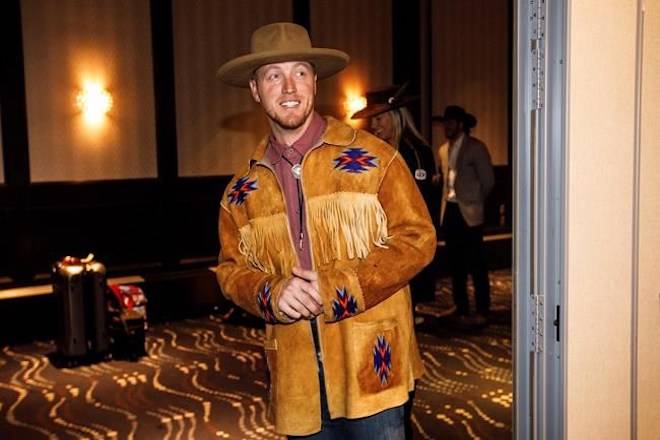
x: 254, y: 91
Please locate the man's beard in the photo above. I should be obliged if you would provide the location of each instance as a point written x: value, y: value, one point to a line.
x: 289, y: 122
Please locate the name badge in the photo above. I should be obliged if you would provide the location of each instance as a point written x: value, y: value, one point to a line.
x: 420, y: 174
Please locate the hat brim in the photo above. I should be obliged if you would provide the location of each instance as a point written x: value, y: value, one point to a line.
x: 438, y: 118
x: 238, y: 72
x: 376, y: 109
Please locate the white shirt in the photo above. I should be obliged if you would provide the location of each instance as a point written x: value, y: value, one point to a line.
x: 454, y: 148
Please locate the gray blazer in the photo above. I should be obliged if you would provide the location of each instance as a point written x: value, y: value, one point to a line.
x: 474, y: 179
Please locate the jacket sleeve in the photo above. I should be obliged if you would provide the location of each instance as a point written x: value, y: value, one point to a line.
x: 484, y: 169
x: 249, y: 288
x: 350, y: 287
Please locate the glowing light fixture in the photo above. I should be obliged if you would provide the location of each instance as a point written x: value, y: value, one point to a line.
x: 354, y: 103
x: 94, y: 102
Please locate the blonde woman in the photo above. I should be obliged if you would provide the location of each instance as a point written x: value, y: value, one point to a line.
x: 390, y: 120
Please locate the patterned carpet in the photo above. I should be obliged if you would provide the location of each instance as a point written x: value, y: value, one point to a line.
x: 205, y: 378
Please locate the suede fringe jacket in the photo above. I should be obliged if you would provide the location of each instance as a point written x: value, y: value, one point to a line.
x: 370, y: 233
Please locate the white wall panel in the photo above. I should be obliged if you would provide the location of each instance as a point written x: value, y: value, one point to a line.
x: 67, y: 42
x: 470, y: 67
x: 363, y: 29
x: 218, y: 126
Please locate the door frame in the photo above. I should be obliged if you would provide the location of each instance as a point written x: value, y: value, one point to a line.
x: 540, y: 121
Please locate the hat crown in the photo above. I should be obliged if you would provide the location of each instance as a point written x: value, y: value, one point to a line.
x: 385, y: 99
x: 281, y: 43
x: 382, y: 96
x: 280, y: 37
x: 454, y: 112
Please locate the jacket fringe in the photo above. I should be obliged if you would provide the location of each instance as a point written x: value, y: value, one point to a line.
x: 342, y: 225
x: 266, y: 244
x: 346, y: 225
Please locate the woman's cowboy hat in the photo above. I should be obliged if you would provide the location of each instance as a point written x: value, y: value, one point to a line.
x: 383, y: 100
x: 277, y: 43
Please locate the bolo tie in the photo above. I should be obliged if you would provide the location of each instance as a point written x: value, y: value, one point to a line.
x: 296, y: 170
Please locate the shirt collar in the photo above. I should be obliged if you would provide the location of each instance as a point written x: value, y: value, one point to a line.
x: 459, y: 141
x: 310, y: 137
x: 335, y: 133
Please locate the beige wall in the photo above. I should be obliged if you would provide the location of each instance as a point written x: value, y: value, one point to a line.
x: 218, y: 126
x: 470, y: 67
x: 649, y: 233
x: 601, y: 100
x: 363, y: 29
x: 65, y: 43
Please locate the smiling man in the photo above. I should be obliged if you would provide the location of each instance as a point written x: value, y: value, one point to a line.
x: 320, y: 234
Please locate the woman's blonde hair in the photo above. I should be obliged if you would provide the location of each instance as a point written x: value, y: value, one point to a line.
x: 402, y: 120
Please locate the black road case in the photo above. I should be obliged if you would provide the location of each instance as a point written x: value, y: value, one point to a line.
x: 80, y: 287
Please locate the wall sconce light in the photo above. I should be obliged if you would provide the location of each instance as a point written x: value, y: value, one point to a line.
x: 354, y: 103
x: 94, y: 102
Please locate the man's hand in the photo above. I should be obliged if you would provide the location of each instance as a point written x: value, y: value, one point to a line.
x: 309, y: 276
x: 300, y: 296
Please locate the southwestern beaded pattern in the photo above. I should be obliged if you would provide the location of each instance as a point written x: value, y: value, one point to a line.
x: 241, y: 189
x: 344, y: 305
x: 265, y: 305
x: 355, y: 160
x: 382, y: 359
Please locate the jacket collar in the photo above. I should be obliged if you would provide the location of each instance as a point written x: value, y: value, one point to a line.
x: 336, y: 133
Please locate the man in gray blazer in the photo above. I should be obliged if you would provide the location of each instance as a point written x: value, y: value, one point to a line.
x: 467, y: 180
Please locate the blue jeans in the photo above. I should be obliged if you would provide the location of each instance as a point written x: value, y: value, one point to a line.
x: 386, y: 425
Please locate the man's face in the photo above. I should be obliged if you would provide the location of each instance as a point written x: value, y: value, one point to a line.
x: 453, y: 129
x: 286, y: 92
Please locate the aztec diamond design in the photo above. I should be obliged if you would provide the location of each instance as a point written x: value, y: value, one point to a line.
x: 382, y: 359
x: 265, y: 305
x: 241, y: 189
x: 355, y: 160
x: 344, y: 305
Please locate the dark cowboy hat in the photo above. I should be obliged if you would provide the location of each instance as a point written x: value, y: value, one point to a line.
x: 278, y: 43
x: 456, y: 113
x: 383, y: 100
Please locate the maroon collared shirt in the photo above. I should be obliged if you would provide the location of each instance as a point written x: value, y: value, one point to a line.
x: 283, y: 158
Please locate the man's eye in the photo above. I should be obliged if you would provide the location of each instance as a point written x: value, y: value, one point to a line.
x: 301, y: 73
x: 273, y: 77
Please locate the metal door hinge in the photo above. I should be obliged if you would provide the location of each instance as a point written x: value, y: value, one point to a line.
x: 537, y: 323
x: 537, y: 46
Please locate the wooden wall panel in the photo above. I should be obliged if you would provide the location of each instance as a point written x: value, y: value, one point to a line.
x: 648, y: 418
x: 599, y: 223
x: 218, y: 126
x: 2, y: 164
x: 65, y: 43
x: 363, y: 29
x: 470, y: 67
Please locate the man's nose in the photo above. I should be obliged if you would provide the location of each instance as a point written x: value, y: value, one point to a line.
x: 288, y: 85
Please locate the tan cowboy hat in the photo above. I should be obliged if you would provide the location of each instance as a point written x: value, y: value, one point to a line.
x: 277, y: 43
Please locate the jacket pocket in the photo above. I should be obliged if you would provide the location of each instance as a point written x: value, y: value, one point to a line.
x: 376, y: 356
